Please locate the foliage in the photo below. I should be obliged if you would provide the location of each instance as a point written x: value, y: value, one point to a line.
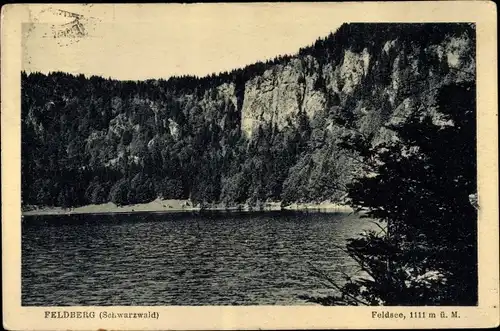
x: 119, y: 193
x: 419, y: 187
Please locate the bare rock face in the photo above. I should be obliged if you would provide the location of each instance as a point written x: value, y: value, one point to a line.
x: 280, y: 93
x: 353, y: 69
x: 227, y: 92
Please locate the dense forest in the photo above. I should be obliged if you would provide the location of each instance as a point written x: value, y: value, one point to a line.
x: 90, y: 140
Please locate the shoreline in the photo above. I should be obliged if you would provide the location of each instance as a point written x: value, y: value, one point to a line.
x: 171, y: 206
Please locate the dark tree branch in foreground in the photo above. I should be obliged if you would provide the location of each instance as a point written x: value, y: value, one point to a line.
x: 427, y: 252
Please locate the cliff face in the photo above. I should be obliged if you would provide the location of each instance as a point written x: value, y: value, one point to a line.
x: 411, y: 72
x: 394, y: 75
x: 280, y: 93
x: 352, y: 82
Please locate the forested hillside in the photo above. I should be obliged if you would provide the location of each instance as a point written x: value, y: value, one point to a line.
x: 272, y: 131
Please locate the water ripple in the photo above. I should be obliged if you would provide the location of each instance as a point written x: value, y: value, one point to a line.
x: 179, y: 259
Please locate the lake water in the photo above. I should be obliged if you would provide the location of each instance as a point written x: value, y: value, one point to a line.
x: 181, y: 259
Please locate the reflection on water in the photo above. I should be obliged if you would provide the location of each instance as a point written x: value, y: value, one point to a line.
x: 180, y: 259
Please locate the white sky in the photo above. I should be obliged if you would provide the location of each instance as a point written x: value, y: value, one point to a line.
x: 159, y: 41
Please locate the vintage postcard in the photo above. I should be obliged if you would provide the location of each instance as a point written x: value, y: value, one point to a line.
x: 249, y: 166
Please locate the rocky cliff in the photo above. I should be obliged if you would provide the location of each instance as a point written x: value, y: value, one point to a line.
x: 398, y: 75
x: 265, y: 132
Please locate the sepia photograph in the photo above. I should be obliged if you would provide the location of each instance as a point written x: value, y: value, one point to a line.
x: 192, y: 160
